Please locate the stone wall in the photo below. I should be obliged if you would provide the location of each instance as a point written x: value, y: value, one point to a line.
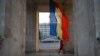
x: 15, y: 27
x: 84, y: 28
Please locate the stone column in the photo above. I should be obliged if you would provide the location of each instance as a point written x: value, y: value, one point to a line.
x: 84, y: 28
x: 97, y: 21
x: 2, y: 18
x: 97, y: 17
x: 31, y: 26
x: 15, y: 28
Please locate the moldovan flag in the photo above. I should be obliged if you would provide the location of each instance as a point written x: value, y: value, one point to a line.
x: 62, y: 23
x: 59, y: 23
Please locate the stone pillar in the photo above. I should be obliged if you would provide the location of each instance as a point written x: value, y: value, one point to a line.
x: 97, y: 21
x: 2, y: 18
x: 97, y: 17
x: 15, y: 28
x: 84, y: 28
x: 31, y: 26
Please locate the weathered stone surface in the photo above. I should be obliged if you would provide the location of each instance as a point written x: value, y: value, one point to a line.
x: 97, y: 21
x: 15, y: 28
x: 2, y: 16
x: 84, y: 28
x: 97, y: 17
x: 31, y: 26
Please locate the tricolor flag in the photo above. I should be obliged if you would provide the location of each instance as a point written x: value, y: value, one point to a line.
x: 62, y: 22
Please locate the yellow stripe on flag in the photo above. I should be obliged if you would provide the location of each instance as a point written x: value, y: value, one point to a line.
x: 59, y: 22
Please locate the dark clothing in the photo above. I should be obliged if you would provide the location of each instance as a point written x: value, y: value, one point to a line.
x: 61, y: 45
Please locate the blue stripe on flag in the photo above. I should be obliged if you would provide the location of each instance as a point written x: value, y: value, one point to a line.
x: 52, y: 19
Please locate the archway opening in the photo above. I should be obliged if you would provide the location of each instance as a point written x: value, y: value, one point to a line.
x: 46, y: 41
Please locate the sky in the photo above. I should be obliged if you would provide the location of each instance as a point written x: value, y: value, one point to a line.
x: 44, y: 17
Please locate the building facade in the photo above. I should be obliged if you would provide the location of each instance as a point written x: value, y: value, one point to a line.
x: 44, y: 30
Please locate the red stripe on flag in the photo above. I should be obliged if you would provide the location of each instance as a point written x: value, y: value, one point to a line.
x: 65, y: 23
x: 65, y: 28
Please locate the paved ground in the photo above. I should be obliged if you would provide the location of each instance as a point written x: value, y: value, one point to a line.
x: 48, y: 49
x: 49, y: 45
x: 45, y: 54
x: 48, y: 53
